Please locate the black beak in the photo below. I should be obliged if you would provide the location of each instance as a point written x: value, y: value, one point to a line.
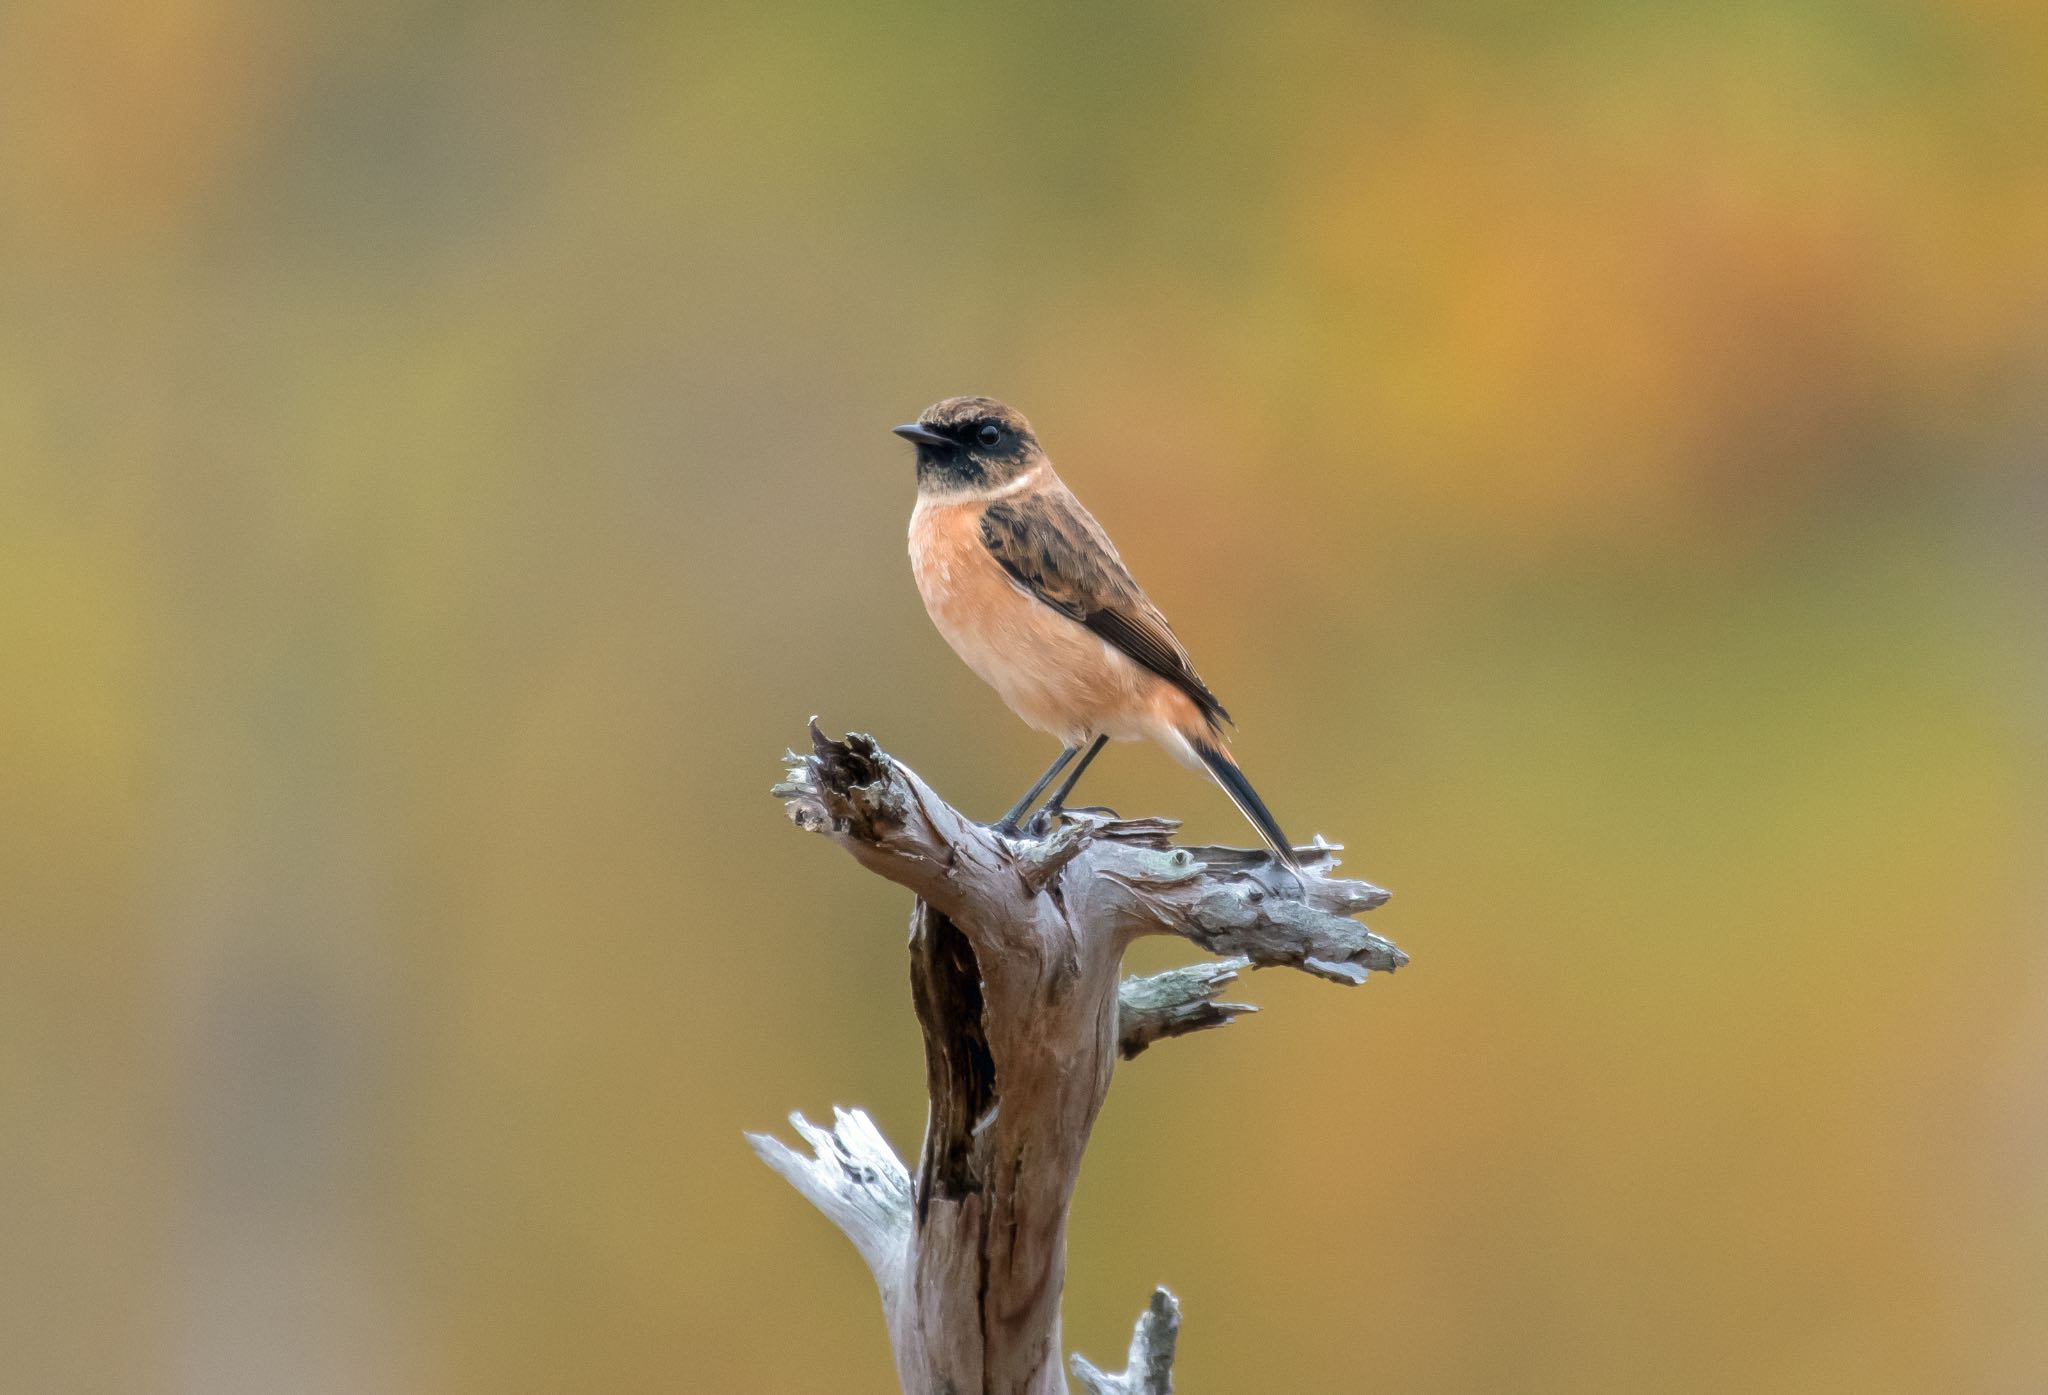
x: 911, y: 431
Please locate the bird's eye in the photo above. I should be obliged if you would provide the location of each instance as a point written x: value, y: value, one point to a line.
x: 989, y: 434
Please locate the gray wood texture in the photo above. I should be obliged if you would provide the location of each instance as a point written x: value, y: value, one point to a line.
x: 1015, y: 949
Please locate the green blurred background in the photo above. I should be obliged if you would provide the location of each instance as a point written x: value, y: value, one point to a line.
x: 1595, y: 448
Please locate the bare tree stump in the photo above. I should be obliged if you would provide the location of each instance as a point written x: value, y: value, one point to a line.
x: 1015, y: 951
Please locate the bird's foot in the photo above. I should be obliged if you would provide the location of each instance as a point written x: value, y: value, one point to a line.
x: 1047, y: 819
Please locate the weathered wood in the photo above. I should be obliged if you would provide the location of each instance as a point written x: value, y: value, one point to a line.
x: 1015, y: 949
x: 1175, y: 1003
x: 857, y: 1180
x: 1148, y: 1368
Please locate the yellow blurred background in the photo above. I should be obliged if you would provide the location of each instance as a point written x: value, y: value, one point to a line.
x: 1595, y: 448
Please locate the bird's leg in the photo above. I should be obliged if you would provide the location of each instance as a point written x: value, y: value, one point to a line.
x: 1059, y: 796
x: 1008, y: 823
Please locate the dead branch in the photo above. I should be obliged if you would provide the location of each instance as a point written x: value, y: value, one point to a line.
x: 1015, y: 953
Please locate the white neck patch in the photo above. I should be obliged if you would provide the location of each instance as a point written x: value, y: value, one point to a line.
x: 983, y: 496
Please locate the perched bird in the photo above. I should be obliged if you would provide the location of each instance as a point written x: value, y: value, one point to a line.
x: 1027, y: 588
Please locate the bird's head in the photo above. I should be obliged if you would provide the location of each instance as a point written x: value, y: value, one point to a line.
x: 969, y: 446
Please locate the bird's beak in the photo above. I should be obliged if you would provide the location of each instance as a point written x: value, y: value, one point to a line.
x: 911, y: 431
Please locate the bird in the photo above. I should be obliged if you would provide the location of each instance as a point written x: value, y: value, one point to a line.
x: 1029, y: 591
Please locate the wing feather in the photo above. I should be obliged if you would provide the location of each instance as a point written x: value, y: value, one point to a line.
x: 1053, y: 547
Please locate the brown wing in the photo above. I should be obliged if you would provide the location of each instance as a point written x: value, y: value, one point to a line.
x: 1054, y: 548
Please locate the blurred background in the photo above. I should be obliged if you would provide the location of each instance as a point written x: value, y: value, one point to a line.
x: 1596, y: 449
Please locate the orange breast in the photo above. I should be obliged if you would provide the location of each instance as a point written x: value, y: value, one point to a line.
x: 1053, y: 672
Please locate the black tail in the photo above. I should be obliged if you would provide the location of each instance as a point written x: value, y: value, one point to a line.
x: 1246, y: 799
